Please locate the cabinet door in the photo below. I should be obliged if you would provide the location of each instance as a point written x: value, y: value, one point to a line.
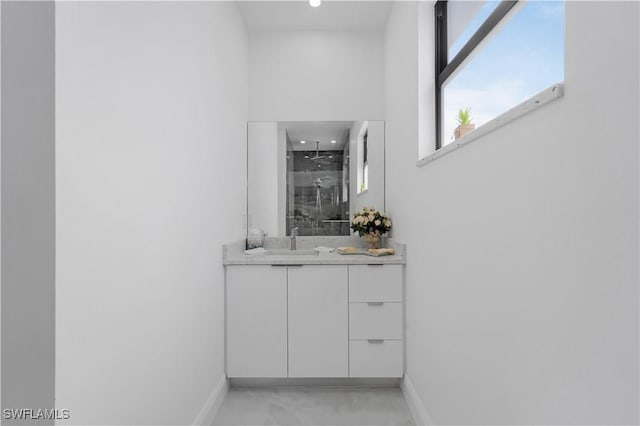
x: 318, y: 321
x: 256, y: 321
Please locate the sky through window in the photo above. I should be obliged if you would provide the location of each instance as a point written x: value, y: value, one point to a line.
x: 519, y: 59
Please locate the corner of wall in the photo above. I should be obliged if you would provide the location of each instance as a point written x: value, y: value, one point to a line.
x: 417, y: 408
x: 426, y: 76
x: 212, y: 404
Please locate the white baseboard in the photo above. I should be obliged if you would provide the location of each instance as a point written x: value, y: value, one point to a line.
x: 213, y: 402
x: 417, y: 408
x: 316, y: 382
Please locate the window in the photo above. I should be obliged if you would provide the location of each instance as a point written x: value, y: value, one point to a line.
x: 362, y: 158
x: 490, y: 57
x: 365, y: 162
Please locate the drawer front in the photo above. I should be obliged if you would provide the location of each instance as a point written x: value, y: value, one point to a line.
x: 375, y: 320
x: 375, y: 283
x: 379, y: 359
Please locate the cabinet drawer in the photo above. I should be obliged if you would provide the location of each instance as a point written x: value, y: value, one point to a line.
x: 375, y: 283
x: 375, y: 321
x: 375, y: 359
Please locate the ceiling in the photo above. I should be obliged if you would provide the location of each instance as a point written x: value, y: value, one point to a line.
x: 322, y: 131
x: 331, y: 15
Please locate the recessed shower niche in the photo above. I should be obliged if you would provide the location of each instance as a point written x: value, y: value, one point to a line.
x: 311, y: 175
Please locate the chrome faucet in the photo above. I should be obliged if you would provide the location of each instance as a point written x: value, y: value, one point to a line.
x: 294, y: 234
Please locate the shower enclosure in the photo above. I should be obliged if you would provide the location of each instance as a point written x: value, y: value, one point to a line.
x: 318, y: 189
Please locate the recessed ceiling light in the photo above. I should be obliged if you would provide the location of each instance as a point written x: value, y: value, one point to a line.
x: 319, y: 165
x: 303, y: 141
x: 333, y: 141
x: 315, y: 3
x: 331, y: 156
x: 306, y: 156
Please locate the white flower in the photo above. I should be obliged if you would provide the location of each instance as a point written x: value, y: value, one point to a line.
x: 371, y: 218
x: 377, y: 222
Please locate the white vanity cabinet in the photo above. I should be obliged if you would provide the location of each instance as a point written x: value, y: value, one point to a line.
x: 318, y: 313
x: 256, y: 321
x: 325, y: 320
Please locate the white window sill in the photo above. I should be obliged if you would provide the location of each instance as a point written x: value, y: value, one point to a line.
x: 554, y: 92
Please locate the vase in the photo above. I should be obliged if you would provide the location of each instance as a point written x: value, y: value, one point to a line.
x: 371, y: 240
x: 463, y: 129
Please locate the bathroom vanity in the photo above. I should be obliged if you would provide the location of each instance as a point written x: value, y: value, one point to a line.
x: 321, y: 315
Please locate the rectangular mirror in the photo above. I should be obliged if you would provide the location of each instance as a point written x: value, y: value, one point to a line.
x: 312, y: 175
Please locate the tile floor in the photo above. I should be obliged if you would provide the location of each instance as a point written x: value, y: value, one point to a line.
x: 314, y: 406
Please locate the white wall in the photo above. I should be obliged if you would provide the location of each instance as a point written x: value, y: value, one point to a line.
x: 150, y: 159
x: 522, y: 273
x: 263, y: 184
x: 316, y: 76
x: 1, y: 210
x: 28, y: 233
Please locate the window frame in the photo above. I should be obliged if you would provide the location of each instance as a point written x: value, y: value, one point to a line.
x: 365, y: 160
x: 445, y: 68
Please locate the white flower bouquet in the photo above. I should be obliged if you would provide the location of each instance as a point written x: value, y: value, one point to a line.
x: 370, y: 222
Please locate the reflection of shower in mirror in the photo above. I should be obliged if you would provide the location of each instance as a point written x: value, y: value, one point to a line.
x: 317, y: 183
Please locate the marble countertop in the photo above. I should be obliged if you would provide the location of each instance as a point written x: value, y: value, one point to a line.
x: 233, y: 253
